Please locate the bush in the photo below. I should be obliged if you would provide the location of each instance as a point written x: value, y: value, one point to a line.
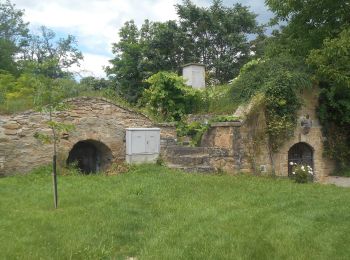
x: 194, y: 130
x: 302, y: 173
x: 168, y: 97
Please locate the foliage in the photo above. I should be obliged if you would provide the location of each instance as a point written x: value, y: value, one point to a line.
x: 126, y: 70
x: 166, y: 214
x: 13, y: 35
x: 168, y: 97
x: 332, y: 61
x: 334, y: 114
x: 194, y: 130
x: 318, y: 32
x: 95, y: 83
x: 29, y: 91
x: 218, y: 36
x: 38, y: 54
x: 46, y: 55
x: 332, y: 66
x: 282, y: 104
x: 215, y: 36
x: 278, y: 79
x: 216, y: 100
x: 301, y: 173
x: 257, y: 75
x: 308, y: 23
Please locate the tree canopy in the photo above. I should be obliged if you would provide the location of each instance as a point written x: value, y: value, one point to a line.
x: 309, y: 22
x: 216, y: 36
x: 14, y: 35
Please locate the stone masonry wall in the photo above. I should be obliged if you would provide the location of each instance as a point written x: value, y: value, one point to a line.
x: 247, y: 154
x: 322, y: 165
x: 94, y: 119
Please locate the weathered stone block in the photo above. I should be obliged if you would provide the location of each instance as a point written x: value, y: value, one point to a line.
x: 12, y: 125
x: 10, y: 132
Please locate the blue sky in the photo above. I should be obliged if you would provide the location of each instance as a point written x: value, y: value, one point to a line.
x: 96, y: 23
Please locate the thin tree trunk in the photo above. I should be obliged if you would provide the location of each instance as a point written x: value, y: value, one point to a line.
x: 54, y: 165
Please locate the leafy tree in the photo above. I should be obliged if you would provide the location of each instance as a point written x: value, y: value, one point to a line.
x: 332, y: 61
x: 126, y: 71
x: 50, y: 57
x: 309, y: 22
x: 161, y: 45
x: 13, y: 35
x: 94, y: 83
x: 215, y: 36
x: 218, y: 36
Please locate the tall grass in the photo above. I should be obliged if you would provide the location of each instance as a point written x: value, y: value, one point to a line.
x: 20, y: 104
x: 218, y: 100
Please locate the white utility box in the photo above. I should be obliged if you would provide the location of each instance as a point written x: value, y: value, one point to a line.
x: 142, y: 144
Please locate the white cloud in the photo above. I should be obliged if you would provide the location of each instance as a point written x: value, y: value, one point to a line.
x: 92, y: 65
x: 95, y: 23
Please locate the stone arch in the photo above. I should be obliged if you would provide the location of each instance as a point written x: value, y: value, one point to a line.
x: 300, y: 153
x: 91, y: 156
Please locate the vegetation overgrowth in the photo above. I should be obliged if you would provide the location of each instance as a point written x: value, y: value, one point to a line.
x: 152, y: 212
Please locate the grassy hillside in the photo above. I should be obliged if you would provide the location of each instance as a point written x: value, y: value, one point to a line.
x: 156, y: 213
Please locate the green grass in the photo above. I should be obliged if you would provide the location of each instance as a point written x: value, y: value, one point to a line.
x: 156, y: 213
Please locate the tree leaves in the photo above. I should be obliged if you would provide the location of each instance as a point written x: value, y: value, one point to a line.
x: 168, y: 97
x: 215, y: 36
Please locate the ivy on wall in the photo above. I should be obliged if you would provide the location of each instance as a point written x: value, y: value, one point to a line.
x: 278, y: 80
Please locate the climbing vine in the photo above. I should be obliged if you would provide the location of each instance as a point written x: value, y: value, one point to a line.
x: 279, y: 80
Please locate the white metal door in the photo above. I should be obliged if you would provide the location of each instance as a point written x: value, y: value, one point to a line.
x: 151, y: 142
x: 138, y: 142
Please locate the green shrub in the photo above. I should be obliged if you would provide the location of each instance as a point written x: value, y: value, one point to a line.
x: 168, y: 97
x: 194, y: 130
x: 301, y: 173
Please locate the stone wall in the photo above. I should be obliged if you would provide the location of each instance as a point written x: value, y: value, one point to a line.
x: 232, y: 146
x: 247, y: 142
x: 94, y: 119
x: 314, y: 138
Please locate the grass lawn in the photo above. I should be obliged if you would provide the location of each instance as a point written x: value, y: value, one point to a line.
x: 156, y: 213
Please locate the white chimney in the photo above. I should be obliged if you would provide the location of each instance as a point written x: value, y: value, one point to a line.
x: 194, y: 75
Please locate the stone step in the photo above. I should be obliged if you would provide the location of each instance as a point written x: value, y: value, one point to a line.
x: 185, y: 150
x: 168, y: 141
x: 193, y: 169
x: 190, y: 160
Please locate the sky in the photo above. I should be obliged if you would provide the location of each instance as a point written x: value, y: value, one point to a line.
x: 96, y: 23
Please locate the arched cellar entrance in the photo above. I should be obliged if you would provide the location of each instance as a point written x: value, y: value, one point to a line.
x: 90, y: 156
x: 300, y: 153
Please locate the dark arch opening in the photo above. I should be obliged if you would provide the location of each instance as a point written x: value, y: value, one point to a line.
x: 300, y: 153
x: 90, y: 156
